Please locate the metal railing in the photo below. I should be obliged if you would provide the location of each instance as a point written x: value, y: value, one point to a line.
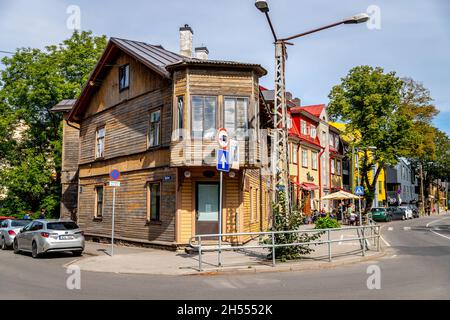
x: 362, y: 236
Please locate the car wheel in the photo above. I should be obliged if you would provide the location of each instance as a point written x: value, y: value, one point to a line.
x: 4, y: 246
x: 34, y: 251
x: 77, y: 253
x: 16, y: 247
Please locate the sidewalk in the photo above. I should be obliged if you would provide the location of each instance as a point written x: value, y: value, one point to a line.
x: 133, y: 260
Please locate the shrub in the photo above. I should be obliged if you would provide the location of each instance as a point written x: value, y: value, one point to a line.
x: 327, y: 223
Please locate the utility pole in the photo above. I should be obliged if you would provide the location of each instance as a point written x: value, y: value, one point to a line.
x: 422, y: 195
x: 280, y: 153
x: 280, y: 145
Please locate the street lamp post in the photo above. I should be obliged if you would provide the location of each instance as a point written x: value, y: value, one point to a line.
x: 280, y: 151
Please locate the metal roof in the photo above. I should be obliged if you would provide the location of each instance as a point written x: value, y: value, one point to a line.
x: 64, y: 105
x: 151, y: 55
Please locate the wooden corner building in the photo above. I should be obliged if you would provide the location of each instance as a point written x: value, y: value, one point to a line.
x: 153, y: 115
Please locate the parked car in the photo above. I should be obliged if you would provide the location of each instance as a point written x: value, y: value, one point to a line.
x: 42, y: 236
x: 3, y: 218
x: 381, y: 214
x: 9, y: 228
x: 408, y: 212
x: 396, y: 213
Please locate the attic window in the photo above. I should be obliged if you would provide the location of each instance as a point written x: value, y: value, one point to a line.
x: 124, y: 77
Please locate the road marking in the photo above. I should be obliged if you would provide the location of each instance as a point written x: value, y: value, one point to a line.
x: 390, y: 229
x: 385, y: 242
x: 440, y: 234
x: 429, y: 223
x: 406, y: 228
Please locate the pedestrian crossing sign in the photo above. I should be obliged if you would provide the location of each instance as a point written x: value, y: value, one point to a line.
x: 359, y: 190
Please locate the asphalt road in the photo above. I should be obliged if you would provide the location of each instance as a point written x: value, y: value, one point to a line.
x: 417, y: 267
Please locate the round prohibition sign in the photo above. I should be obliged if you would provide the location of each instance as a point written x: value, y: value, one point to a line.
x: 222, y: 138
x: 115, y: 174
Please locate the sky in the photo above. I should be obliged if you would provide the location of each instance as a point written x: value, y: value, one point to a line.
x: 411, y: 37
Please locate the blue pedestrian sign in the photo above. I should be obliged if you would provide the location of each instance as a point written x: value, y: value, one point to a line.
x: 359, y: 190
x: 223, y: 160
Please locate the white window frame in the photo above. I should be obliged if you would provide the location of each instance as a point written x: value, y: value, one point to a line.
x: 99, y: 215
x: 314, y: 160
x: 100, y: 141
x: 305, y: 158
x: 154, y: 127
x: 295, y: 153
x: 303, y: 128
x: 212, y: 134
x: 239, y: 132
x: 313, y: 132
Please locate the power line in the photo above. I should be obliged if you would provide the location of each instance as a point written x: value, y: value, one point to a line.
x: 7, y: 52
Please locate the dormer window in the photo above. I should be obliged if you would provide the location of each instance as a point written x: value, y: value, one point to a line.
x: 124, y: 77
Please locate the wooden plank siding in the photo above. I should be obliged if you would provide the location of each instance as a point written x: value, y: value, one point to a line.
x: 69, y: 170
x: 131, y: 207
x: 221, y: 84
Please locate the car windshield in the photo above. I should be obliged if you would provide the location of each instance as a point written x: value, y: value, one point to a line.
x: 19, y: 223
x: 378, y: 209
x: 62, y: 225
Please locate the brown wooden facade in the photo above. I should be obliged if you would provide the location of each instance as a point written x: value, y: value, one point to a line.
x: 179, y: 163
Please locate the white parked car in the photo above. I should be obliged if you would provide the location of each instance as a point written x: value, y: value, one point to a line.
x: 408, y: 211
x: 9, y: 228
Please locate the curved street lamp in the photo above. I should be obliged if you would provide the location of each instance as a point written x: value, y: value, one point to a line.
x: 280, y: 147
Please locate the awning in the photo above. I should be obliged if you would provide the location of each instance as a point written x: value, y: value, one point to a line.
x: 306, y: 185
x: 340, y: 195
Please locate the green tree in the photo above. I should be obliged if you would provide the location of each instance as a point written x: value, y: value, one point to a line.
x: 369, y: 100
x: 32, y: 82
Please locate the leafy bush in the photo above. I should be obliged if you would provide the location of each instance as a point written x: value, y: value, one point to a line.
x: 327, y: 223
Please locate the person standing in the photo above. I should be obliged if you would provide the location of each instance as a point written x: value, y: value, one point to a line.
x: 42, y: 215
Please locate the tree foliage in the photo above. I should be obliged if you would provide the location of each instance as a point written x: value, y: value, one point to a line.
x: 369, y: 100
x: 32, y: 82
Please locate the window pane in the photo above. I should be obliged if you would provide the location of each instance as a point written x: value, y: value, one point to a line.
x: 154, y: 129
x: 154, y: 201
x: 180, y: 113
x: 230, y: 115
x: 241, y: 115
x: 197, y: 117
x: 209, y: 115
x: 99, y: 212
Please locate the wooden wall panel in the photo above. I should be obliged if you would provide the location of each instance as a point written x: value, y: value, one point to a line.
x: 131, y: 207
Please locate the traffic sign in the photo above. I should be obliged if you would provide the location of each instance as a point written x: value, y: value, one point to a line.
x: 114, y: 183
x: 223, y: 160
x: 234, y: 154
x: 115, y: 174
x: 222, y: 138
x: 359, y: 190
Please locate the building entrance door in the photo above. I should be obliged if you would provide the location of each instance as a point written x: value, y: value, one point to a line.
x: 207, y: 208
